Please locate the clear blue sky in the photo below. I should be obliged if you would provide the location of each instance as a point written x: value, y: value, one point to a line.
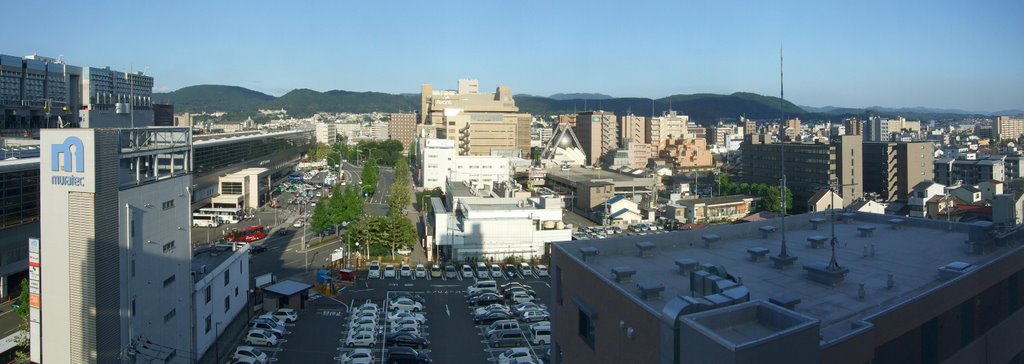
x: 949, y: 54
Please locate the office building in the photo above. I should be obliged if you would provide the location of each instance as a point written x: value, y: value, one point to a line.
x: 632, y: 127
x: 326, y: 133
x: 402, y: 127
x: 479, y: 123
x: 892, y: 169
x: 38, y: 92
x: 114, y: 99
x: 809, y: 166
x: 664, y: 130
x: 909, y: 295
x: 1007, y: 128
x: 163, y: 115
x: 470, y: 223
x: 598, y: 134
x: 113, y: 266
x: 957, y: 171
x: 441, y: 163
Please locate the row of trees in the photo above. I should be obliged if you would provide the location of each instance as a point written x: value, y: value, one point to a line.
x: 345, y: 205
x: 385, y: 153
x: 769, y: 194
x: 400, y: 187
x: 371, y: 174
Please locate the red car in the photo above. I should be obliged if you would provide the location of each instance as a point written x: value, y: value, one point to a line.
x: 347, y: 275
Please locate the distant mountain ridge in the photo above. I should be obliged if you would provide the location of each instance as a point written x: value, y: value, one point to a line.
x: 702, y: 107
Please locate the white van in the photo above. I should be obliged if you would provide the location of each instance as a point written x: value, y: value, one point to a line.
x: 489, y: 286
x: 539, y: 334
x: 481, y: 271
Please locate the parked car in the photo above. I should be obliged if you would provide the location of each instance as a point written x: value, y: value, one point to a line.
x: 270, y: 327
x: 374, y: 269
x: 389, y: 271
x: 483, y: 286
x: 363, y: 339
x: 542, y: 270
x: 286, y: 314
x: 496, y: 271
x: 510, y: 271
x: 521, y: 298
x: 399, y: 315
x: 409, y: 328
x: 421, y: 272
x: 484, y: 299
x: 260, y: 337
x: 509, y: 324
x: 516, y: 309
x: 408, y: 339
x: 489, y: 317
x: 492, y: 307
x: 407, y: 304
x: 244, y: 360
x: 525, y: 269
x: 539, y: 334
x: 481, y: 271
x: 467, y: 271
x: 505, y: 338
x: 435, y: 271
x: 509, y: 355
x: 368, y: 314
x: 409, y: 295
x: 402, y: 355
x: 363, y: 321
x: 256, y: 249
x: 450, y: 273
x: 406, y: 271
x: 273, y: 318
x: 357, y: 356
x: 250, y: 352
x: 297, y: 224
x: 348, y: 275
x: 534, y: 316
x: 505, y: 287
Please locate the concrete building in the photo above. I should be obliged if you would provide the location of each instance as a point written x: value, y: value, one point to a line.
x: 479, y: 123
x: 954, y: 171
x: 183, y: 119
x: 38, y: 92
x: 664, y: 130
x: 720, y: 135
x: 688, y: 154
x: 219, y: 294
x: 587, y: 188
x: 632, y: 154
x: 1008, y: 210
x: 402, y: 127
x: 567, y: 120
x: 749, y: 126
x: 710, y: 210
x: 598, y: 134
x: 921, y: 194
x: 441, y: 164
x: 326, y: 133
x: 853, y: 126
x: 809, y: 166
x: 791, y: 130
x: 881, y: 130
x: 118, y: 280
x: 892, y: 169
x: 469, y: 223
x: 114, y: 99
x: 246, y: 189
x: 632, y: 127
x: 163, y: 115
x: 1007, y: 128
x: 908, y: 295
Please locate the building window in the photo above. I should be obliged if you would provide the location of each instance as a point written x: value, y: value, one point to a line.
x: 169, y: 246
x: 169, y: 280
x: 236, y: 291
x: 169, y: 204
x: 208, y: 319
x: 586, y: 329
x: 227, y: 304
x: 227, y: 276
x: 133, y: 307
x: 170, y: 315
x: 206, y: 293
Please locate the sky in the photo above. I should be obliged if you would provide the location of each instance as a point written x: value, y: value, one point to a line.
x: 945, y: 54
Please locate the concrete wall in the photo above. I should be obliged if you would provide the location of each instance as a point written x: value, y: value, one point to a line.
x: 236, y: 292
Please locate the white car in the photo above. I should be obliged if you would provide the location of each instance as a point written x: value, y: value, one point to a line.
x: 286, y: 314
x: 363, y: 339
x: 525, y: 270
x: 509, y: 355
x: 491, y: 307
x: 496, y: 271
x: 273, y: 318
x: 363, y: 321
x: 408, y: 328
x: 389, y: 271
x: 406, y: 271
x: 374, y: 269
x: 250, y: 352
x: 542, y: 270
x: 260, y: 337
x: 297, y: 224
x: 368, y: 305
x: 421, y: 272
x: 357, y: 330
x: 357, y: 356
x: 521, y: 298
x: 399, y: 315
x: 406, y: 304
x: 534, y: 316
x: 367, y: 314
x: 467, y: 271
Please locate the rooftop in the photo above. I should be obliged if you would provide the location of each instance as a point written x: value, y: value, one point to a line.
x: 206, y: 260
x: 912, y: 253
x: 580, y: 174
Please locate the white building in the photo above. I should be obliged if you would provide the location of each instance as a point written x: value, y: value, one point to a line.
x: 440, y: 163
x: 471, y: 224
x: 118, y: 282
x: 326, y: 133
x: 242, y: 189
x: 922, y: 192
x: 220, y: 293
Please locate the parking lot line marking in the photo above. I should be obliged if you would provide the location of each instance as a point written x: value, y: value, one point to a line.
x: 447, y: 311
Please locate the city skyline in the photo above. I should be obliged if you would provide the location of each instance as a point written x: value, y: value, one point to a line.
x: 960, y: 56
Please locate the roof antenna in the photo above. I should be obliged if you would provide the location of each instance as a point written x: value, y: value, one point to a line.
x: 783, y: 259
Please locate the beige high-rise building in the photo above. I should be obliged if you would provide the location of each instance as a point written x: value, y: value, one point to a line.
x: 598, y: 134
x: 854, y: 126
x: 664, y: 130
x: 792, y: 130
x: 402, y: 127
x: 688, y: 153
x: 1006, y: 127
x: 569, y: 120
x: 502, y: 130
x: 632, y: 127
x: 749, y: 126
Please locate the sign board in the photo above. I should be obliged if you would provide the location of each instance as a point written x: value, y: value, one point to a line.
x: 337, y: 254
x: 34, y: 301
x: 323, y: 276
x: 265, y: 279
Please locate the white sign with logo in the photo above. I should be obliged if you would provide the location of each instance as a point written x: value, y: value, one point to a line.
x: 66, y: 160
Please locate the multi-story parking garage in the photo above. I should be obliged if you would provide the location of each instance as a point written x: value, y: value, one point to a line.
x: 214, y: 156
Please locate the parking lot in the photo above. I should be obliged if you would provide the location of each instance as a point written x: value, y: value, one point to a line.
x: 320, y: 335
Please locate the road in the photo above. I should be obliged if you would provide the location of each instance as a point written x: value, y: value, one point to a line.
x: 378, y: 203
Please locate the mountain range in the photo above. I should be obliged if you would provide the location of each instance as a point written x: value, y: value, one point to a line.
x: 705, y: 108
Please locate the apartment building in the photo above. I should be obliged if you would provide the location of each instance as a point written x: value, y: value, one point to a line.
x: 632, y: 127
x: 688, y: 154
x: 598, y: 134
x: 1007, y: 128
x: 956, y: 171
x: 664, y: 130
x: 402, y: 127
x: 326, y: 133
x: 809, y: 165
x: 892, y: 169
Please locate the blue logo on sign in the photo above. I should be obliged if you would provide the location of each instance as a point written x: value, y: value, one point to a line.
x: 75, y: 157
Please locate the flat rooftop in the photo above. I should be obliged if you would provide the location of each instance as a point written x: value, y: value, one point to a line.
x: 580, y: 174
x: 211, y: 259
x: 912, y: 253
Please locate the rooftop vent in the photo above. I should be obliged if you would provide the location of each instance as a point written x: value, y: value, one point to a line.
x: 954, y: 269
x: 644, y: 247
x: 623, y: 273
x: 589, y: 251
x: 650, y: 289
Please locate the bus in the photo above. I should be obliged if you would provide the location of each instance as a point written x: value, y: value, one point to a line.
x: 205, y: 220
x: 247, y: 234
x: 227, y: 215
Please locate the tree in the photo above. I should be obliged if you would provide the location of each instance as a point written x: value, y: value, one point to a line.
x: 370, y: 174
x: 423, y: 198
x: 21, y: 353
x: 400, y: 197
x: 346, y: 206
x: 321, y: 218
x: 318, y: 152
